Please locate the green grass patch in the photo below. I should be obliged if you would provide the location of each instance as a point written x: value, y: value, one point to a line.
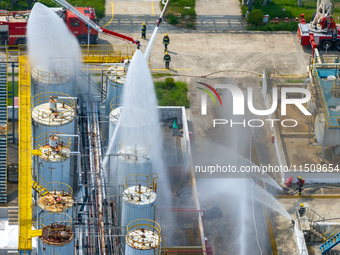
x: 286, y: 8
x: 10, y: 75
x: 156, y: 75
x: 98, y: 5
x: 172, y: 93
x: 9, y: 89
x: 181, y: 13
x: 281, y: 26
x: 294, y: 80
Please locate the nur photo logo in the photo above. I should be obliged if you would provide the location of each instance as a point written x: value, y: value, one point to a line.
x: 238, y: 103
x: 204, y: 97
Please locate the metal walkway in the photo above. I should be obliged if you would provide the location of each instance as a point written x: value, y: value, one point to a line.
x: 25, y: 160
x: 3, y: 132
x: 331, y: 238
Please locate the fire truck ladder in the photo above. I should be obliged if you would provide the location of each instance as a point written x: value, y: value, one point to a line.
x: 81, y: 16
x: 3, y: 133
x: 90, y: 23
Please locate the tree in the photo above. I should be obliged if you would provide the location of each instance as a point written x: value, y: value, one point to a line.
x: 255, y: 17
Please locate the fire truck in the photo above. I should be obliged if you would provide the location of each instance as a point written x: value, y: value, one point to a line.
x: 78, y: 19
x: 322, y: 31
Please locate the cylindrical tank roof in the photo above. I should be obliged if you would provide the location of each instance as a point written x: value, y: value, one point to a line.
x: 140, y: 189
x: 139, y: 195
x: 143, y: 234
x: 116, y: 74
x: 57, y: 73
x: 54, y: 148
x: 58, y: 199
x: 63, y: 114
x: 57, y: 230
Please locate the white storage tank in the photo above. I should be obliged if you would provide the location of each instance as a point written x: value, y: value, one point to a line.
x: 57, y: 234
x: 139, y: 197
x: 53, y: 165
x: 115, y: 80
x: 332, y: 136
x: 53, y: 111
x: 58, y: 75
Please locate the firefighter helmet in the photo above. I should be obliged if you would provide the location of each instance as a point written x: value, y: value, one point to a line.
x: 299, y: 177
x: 143, y: 24
x: 166, y: 53
x: 302, y: 205
x: 166, y: 35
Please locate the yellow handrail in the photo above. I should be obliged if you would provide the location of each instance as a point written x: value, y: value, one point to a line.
x: 133, y: 180
x: 331, y: 232
x: 327, y: 115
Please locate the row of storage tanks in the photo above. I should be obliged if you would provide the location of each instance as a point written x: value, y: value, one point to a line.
x: 139, y: 190
x: 54, y: 126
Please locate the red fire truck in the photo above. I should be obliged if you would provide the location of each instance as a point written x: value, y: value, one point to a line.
x: 13, y: 26
x: 322, y: 31
x: 78, y: 19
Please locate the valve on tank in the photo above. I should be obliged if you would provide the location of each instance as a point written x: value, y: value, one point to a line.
x: 53, y: 104
x: 53, y: 141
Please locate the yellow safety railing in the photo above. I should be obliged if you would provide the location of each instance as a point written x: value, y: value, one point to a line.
x: 133, y: 180
x: 336, y: 89
x: 144, y: 227
x: 90, y: 54
x: 44, y: 139
x: 107, y: 53
x: 60, y: 187
x: 331, y: 121
x: 45, y: 97
x: 25, y: 161
x: 39, y: 179
x: 55, y: 225
x: 56, y: 217
x: 52, y: 186
x: 329, y: 233
x: 49, y: 154
x: 67, y: 105
x: 53, y: 78
x: 114, y: 102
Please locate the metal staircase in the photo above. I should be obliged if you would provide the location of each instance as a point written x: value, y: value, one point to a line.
x: 40, y: 189
x: 331, y: 238
x: 3, y: 133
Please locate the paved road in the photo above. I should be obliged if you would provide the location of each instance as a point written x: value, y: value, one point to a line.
x: 219, y: 43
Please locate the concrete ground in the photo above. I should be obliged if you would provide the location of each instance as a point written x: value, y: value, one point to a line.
x: 219, y: 38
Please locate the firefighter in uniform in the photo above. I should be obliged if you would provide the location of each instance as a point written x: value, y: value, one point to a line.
x: 143, y: 31
x: 300, y: 184
x: 166, y: 41
x: 332, y: 25
x: 167, y: 60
